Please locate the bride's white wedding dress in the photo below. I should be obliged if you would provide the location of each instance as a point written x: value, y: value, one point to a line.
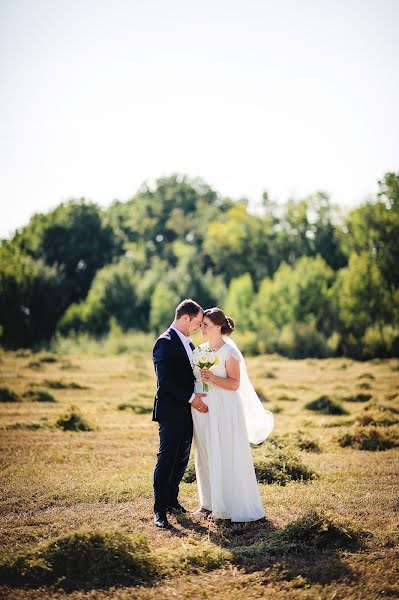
x: 224, y: 467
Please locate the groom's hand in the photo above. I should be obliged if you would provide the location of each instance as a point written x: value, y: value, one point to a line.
x: 198, y: 404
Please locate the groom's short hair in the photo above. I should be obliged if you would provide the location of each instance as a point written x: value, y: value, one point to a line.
x: 188, y: 307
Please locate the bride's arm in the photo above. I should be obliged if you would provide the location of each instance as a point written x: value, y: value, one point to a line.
x: 231, y: 382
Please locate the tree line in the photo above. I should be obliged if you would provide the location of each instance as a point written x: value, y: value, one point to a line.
x: 301, y: 278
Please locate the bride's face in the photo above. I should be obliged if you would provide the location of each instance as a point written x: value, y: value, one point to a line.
x: 209, y: 329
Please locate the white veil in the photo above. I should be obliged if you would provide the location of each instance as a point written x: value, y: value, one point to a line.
x: 259, y: 421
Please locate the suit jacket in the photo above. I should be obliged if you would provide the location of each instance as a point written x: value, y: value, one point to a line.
x: 175, y: 378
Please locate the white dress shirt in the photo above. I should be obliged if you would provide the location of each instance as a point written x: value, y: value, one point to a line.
x: 186, y: 343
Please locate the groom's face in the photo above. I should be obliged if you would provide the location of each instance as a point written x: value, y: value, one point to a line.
x: 194, y: 323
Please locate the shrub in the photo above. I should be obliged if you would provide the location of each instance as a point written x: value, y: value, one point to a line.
x: 285, y: 398
x: 7, y: 395
x: 84, y: 560
x: 361, y: 397
x: 302, y: 340
x: 326, y: 406
x: 72, y: 420
x: 371, y: 438
x: 38, y: 396
x: 278, y: 465
x: 366, y: 376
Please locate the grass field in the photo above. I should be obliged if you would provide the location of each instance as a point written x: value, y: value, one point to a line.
x: 333, y: 536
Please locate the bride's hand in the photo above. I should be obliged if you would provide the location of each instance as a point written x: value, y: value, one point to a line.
x: 207, y: 375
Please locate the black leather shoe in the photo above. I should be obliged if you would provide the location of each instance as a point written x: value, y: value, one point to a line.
x: 176, y: 508
x: 161, y: 521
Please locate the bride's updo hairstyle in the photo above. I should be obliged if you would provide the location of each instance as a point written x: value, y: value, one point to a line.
x: 217, y: 316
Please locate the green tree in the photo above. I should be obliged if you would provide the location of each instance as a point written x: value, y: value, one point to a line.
x: 374, y: 228
x: 309, y: 227
x: 29, y: 297
x: 239, y: 301
x: 114, y: 294
x: 73, y: 238
x: 299, y: 293
x: 163, y: 302
x: 363, y: 298
x: 239, y: 242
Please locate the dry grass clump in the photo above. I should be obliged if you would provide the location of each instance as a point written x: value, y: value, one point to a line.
x: 7, y: 395
x: 38, y: 396
x: 196, y: 558
x: 378, y: 414
x: 365, y: 386
x: 48, y: 359
x: 318, y: 532
x: 360, y: 397
x: 371, y: 437
x: 189, y: 474
x: 306, y: 442
x: 29, y: 426
x: 366, y: 376
x: 136, y: 408
x: 313, y: 533
x: 72, y: 420
x: 62, y: 385
x: 261, y: 395
x: 84, y: 560
x: 40, y: 361
x: 326, y: 406
x: 281, y: 466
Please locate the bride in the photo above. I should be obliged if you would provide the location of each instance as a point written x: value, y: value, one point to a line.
x: 225, y: 472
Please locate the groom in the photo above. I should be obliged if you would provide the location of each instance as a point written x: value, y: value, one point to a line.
x: 172, y: 356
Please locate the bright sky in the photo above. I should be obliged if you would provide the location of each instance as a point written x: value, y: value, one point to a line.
x: 291, y: 96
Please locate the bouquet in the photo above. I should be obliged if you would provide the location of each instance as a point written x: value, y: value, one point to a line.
x: 204, y: 358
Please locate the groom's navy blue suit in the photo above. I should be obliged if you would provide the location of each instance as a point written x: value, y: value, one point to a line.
x: 172, y: 410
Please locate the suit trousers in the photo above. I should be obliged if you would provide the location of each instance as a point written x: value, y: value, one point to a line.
x: 175, y: 438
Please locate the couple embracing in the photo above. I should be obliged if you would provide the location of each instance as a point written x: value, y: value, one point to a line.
x: 223, y: 420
